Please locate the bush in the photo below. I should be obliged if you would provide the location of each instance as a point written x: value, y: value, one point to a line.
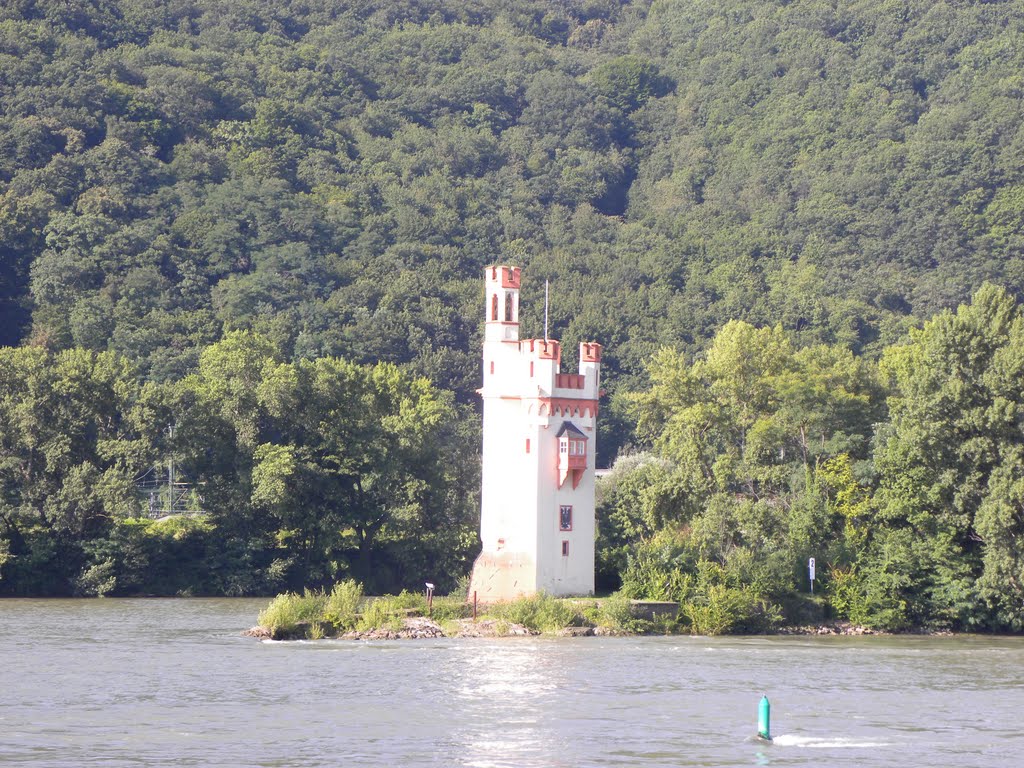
x: 657, y: 569
x: 870, y: 598
x: 718, y: 612
x: 541, y: 613
x: 97, y: 580
x: 290, y: 614
x: 450, y: 608
x: 381, y: 613
x: 616, y: 612
x: 461, y: 591
x: 414, y: 603
x: 342, y: 605
x: 715, y: 605
x: 846, y: 595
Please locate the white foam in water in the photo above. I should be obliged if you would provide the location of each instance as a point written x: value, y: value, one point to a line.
x: 829, y: 742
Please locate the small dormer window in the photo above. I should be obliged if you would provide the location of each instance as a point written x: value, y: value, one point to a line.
x: 572, y: 454
x: 574, y: 447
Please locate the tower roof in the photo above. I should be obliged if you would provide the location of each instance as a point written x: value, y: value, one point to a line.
x: 568, y: 428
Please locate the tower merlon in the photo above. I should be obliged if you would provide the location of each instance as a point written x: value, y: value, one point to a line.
x: 577, y: 386
x: 544, y: 349
x: 590, y: 352
x: 590, y: 367
x: 570, y: 381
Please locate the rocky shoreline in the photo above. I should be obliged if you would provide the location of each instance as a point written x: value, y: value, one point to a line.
x: 832, y: 628
x: 413, y: 628
x: 423, y: 628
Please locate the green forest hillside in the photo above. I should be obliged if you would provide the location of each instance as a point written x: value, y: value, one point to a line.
x: 335, y: 174
x: 208, y: 205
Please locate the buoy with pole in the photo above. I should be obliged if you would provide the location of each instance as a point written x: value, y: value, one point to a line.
x: 764, y: 717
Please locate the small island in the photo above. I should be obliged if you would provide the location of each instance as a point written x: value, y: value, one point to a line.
x: 346, y: 613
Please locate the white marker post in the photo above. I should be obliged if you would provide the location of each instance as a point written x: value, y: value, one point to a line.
x: 810, y: 569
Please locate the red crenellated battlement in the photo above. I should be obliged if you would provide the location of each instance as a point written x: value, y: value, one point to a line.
x: 567, y: 407
x: 590, y: 352
x: 509, y: 276
x: 545, y: 349
x: 570, y: 380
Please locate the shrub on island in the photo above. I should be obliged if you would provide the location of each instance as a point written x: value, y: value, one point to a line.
x: 346, y: 612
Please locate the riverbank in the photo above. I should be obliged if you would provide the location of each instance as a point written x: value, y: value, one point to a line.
x: 346, y: 614
x: 423, y: 628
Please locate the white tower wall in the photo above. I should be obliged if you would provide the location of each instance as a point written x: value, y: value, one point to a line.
x: 526, y: 478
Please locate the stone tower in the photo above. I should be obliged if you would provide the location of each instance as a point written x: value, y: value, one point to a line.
x: 539, y: 439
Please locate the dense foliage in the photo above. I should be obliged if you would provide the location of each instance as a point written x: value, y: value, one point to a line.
x: 765, y: 456
x: 215, y: 211
x: 307, y: 470
x: 334, y: 174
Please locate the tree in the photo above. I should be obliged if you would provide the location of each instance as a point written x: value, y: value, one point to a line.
x: 72, y: 440
x: 950, y: 451
x: 329, y: 464
x: 755, y: 437
x: 628, y: 81
x: 740, y: 418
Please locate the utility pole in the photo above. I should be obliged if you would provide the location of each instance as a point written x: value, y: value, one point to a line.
x: 170, y: 472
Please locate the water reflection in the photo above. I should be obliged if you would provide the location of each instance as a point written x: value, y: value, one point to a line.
x: 512, y: 683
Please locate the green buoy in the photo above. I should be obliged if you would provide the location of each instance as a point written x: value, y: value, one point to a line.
x: 764, y: 717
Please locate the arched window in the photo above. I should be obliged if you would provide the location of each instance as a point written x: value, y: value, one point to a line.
x: 494, y: 307
x: 508, y: 307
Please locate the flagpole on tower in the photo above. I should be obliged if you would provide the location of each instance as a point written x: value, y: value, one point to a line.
x: 545, y: 310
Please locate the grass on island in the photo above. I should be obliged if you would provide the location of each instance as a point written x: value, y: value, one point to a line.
x: 316, y: 613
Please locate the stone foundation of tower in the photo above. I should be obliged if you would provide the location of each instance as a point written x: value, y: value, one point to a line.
x: 502, y: 576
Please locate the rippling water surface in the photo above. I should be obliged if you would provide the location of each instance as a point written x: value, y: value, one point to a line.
x: 172, y: 682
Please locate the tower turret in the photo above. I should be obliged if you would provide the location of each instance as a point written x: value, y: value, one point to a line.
x: 590, y: 366
x: 502, y: 322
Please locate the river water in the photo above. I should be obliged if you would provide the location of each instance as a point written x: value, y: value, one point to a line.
x: 171, y: 682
